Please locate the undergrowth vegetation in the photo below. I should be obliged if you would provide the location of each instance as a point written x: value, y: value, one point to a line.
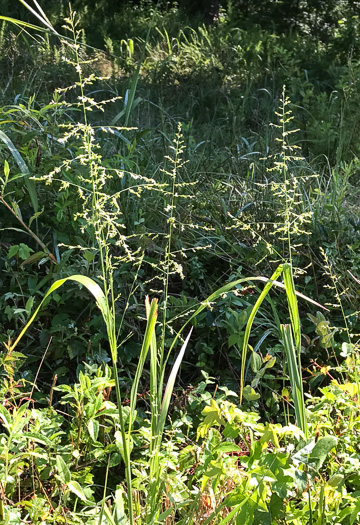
x: 179, y: 266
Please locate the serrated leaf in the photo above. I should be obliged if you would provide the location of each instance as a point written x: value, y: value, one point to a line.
x: 24, y: 251
x: 13, y: 250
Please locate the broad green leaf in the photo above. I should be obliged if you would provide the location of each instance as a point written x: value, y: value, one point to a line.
x: 246, y: 514
x: 250, y: 394
x: 276, y: 506
x: 13, y: 250
x: 115, y: 459
x: 351, y: 388
x: 63, y: 470
x: 24, y: 251
x: 29, y: 305
x: 227, y: 446
x: 270, y: 434
x: 234, y: 339
x: 89, y: 256
x: 335, y: 480
x: 76, y: 489
x: 213, y: 417
x: 93, y: 429
x: 255, y: 362
x: 321, y: 450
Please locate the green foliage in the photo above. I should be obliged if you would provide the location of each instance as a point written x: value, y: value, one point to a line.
x: 205, y: 189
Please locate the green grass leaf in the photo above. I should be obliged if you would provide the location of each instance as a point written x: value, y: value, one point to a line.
x: 30, y: 185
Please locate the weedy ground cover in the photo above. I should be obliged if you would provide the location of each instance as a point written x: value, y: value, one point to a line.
x: 199, y: 180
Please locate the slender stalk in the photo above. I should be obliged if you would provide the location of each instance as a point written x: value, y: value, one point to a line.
x: 2, y: 509
x: 104, y: 493
x: 167, y: 261
x: 125, y: 443
x: 295, y: 378
x: 285, y: 172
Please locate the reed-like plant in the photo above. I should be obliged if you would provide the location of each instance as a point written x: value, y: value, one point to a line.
x: 294, y: 221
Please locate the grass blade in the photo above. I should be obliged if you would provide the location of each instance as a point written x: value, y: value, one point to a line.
x: 157, y: 430
x: 154, y: 394
x: 148, y: 338
x: 22, y: 24
x: 91, y: 285
x: 45, y: 21
x: 228, y: 288
x: 293, y: 305
x: 295, y: 377
x: 170, y: 387
x: 256, y: 307
x: 30, y: 185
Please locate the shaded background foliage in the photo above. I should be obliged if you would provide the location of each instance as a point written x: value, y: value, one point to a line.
x: 318, y: 17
